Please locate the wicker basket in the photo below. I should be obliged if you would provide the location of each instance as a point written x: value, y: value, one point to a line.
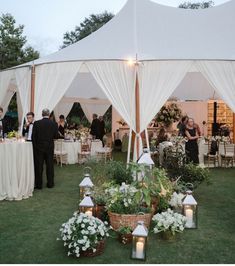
x: 99, y: 250
x: 130, y: 220
x: 125, y: 238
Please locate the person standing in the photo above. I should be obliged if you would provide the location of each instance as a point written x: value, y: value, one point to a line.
x: 62, y: 125
x: 44, y: 133
x: 95, y: 127
x: 191, y: 146
x: 28, y: 128
x: 3, y: 124
x: 102, y: 128
x: 182, y: 126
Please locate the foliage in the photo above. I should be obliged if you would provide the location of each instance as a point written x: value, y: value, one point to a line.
x: 82, y: 233
x: 88, y: 26
x: 124, y: 230
x: 169, y: 114
x: 125, y: 199
x: 99, y: 196
x: 118, y: 172
x: 12, y: 44
x: 196, y: 5
x: 194, y: 174
x: 169, y: 221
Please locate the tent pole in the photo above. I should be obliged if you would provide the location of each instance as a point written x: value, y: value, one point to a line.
x: 129, y: 147
x: 233, y: 127
x: 137, y: 112
x: 32, y: 89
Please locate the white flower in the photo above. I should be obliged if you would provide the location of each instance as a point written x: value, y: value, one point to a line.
x: 82, y: 225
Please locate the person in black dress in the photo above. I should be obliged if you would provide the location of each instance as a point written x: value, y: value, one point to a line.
x: 182, y: 126
x: 102, y: 128
x: 44, y: 133
x: 191, y: 146
x: 95, y: 127
x: 61, y: 126
x: 3, y: 124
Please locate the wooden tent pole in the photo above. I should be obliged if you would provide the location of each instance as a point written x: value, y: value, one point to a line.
x: 137, y: 107
x: 233, y: 127
x: 32, y: 89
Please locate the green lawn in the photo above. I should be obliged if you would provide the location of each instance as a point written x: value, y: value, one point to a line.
x: 29, y: 228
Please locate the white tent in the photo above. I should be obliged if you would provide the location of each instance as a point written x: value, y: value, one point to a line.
x: 163, y: 44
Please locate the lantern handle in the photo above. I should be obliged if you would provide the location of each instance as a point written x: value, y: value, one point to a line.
x: 189, y: 186
x: 87, y: 170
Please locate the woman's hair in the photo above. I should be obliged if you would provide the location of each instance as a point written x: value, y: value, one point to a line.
x: 184, y: 118
x: 61, y: 117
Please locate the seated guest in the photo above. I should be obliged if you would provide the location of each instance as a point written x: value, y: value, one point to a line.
x: 3, y: 124
x: 28, y: 127
x: 61, y: 126
x: 162, y: 136
x: 191, y: 146
x: 182, y: 125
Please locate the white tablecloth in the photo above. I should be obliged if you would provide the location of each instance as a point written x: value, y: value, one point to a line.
x: 73, y: 148
x: 16, y: 170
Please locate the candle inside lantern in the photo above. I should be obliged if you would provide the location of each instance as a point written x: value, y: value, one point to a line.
x: 189, y: 216
x: 139, y: 250
x: 89, y: 213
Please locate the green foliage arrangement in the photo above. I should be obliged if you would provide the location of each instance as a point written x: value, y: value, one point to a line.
x: 169, y: 114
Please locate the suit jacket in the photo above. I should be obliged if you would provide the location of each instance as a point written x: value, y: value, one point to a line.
x: 5, y: 128
x: 95, y: 128
x: 44, y: 133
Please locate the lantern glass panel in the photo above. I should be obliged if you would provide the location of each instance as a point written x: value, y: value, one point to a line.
x: 86, y: 210
x: 84, y: 190
x: 139, y: 247
x: 190, y: 211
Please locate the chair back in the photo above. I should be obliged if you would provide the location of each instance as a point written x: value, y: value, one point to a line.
x: 229, y: 149
x: 213, y: 147
x: 109, y: 142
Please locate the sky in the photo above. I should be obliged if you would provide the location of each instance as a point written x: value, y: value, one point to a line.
x: 46, y: 21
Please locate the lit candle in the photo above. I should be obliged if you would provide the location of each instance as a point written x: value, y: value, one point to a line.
x: 189, y: 216
x: 89, y: 213
x: 139, y: 250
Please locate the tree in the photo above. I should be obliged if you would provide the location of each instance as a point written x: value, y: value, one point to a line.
x: 196, y: 5
x: 13, y: 49
x: 88, y: 26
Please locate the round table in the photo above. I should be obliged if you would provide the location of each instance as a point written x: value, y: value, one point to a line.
x: 16, y: 170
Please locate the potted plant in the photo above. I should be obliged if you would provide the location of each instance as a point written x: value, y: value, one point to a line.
x: 100, y: 200
x: 168, y: 224
x: 125, y: 234
x: 176, y: 201
x: 126, y: 206
x: 84, y: 235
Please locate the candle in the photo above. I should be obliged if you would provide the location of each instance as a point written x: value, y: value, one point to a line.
x: 189, y: 216
x: 139, y: 250
x: 89, y: 213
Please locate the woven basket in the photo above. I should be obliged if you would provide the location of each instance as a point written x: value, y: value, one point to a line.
x: 130, y: 220
x: 99, y: 250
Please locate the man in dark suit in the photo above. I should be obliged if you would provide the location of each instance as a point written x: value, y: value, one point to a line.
x: 28, y: 127
x: 3, y: 124
x: 44, y: 133
x: 95, y: 127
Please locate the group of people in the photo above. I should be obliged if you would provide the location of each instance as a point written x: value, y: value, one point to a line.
x: 97, y: 127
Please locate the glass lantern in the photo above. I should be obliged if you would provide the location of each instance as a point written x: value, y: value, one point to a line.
x: 87, y: 206
x: 85, y: 186
x: 146, y: 159
x: 139, y: 242
x: 190, y: 210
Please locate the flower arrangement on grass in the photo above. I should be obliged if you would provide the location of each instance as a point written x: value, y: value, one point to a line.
x: 169, y: 221
x: 169, y: 114
x: 83, y: 233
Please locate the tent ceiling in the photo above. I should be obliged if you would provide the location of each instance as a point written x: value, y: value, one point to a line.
x: 157, y: 32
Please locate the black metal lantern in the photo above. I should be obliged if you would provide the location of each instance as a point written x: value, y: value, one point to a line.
x: 190, y: 210
x: 139, y: 242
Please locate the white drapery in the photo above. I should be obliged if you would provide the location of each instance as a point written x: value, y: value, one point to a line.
x: 62, y: 108
x: 221, y: 75
x: 93, y: 107
x: 158, y: 80
x: 49, y: 91
x: 117, y: 80
x: 23, y: 83
x: 5, y: 95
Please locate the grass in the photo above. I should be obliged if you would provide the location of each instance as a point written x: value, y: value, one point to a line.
x: 29, y: 228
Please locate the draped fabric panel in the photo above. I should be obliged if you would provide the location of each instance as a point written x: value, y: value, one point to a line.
x: 23, y: 83
x: 221, y: 75
x: 94, y: 108
x: 158, y: 80
x: 117, y: 80
x: 5, y: 95
x: 51, y: 83
x: 62, y: 108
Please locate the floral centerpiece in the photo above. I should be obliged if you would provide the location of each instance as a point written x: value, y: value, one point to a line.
x: 84, y: 235
x: 84, y: 132
x: 71, y: 134
x: 169, y: 114
x: 12, y: 134
x: 168, y: 224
